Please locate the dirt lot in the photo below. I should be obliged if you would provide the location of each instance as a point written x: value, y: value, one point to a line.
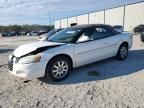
x: 119, y: 84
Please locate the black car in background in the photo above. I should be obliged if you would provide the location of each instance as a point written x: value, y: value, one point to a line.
x: 6, y: 34
x: 41, y: 32
x: 13, y: 33
x: 139, y: 29
x: 142, y: 36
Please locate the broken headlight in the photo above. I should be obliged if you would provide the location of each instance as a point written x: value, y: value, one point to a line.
x: 30, y: 59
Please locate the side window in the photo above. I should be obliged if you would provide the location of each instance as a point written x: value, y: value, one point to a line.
x: 100, y: 30
x: 86, y: 35
x: 101, y: 33
x: 88, y: 32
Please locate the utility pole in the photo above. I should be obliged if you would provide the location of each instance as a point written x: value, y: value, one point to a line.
x: 49, y: 17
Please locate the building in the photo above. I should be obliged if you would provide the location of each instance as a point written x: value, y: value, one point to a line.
x: 128, y: 16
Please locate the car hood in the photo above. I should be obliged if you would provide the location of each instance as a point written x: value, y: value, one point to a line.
x: 28, y: 48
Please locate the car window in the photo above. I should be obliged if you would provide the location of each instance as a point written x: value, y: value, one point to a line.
x: 100, y: 30
x: 66, y: 35
x: 100, y: 33
x: 88, y: 32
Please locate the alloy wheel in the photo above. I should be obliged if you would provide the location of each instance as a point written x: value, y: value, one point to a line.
x: 123, y: 52
x: 60, y: 69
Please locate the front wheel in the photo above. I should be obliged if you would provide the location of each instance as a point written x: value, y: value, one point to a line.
x: 122, y: 52
x: 58, y: 68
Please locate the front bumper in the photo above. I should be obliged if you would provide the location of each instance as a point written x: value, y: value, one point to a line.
x: 27, y: 71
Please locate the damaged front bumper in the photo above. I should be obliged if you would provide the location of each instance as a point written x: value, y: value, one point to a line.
x: 27, y: 71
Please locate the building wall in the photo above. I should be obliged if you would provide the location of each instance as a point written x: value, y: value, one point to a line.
x: 134, y: 15
x: 128, y: 16
x: 96, y: 17
x: 114, y: 16
x: 82, y: 19
x: 57, y: 24
x: 72, y: 20
x: 64, y: 23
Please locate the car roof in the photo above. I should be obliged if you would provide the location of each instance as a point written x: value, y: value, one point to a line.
x: 84, y: 26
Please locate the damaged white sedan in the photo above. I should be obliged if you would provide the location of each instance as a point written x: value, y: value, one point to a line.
x: 70, y: 48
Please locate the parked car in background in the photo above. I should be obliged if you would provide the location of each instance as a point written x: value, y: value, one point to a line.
x: 72, y: 47
x: 142, y: 36
x: 44, y: 37
x: 34, y: 33
x: 23, y: 33
x: 41, y: 32
x: 28, y: 33
x: 139, y: 29
x: 118, y: 28
x: 13, y: 33
x: 0, y: 34
x: 5, y: 34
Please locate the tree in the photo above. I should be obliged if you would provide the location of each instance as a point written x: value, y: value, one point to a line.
x: 25, y: 28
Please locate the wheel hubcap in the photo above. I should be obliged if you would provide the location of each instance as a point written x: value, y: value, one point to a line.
x: 123, y: 52
x: 60, y: 69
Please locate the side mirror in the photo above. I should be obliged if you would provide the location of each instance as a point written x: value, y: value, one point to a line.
x: 83, y: 39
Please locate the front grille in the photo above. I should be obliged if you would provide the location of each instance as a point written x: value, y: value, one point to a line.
x: 10, y: 65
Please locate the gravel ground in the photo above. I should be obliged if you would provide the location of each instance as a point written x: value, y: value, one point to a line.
x: 116, y: 84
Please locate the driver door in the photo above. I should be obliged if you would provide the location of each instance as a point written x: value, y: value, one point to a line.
x: 85, y: 51
x: 92, y: 50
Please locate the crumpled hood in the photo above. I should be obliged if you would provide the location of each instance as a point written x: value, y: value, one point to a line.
x: 27, y: 48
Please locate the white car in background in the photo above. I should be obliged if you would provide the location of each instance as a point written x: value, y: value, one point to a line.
x: 44, y: 37
x: 72, y: 47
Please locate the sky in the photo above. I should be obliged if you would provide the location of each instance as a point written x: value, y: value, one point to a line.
x: 40, y: 11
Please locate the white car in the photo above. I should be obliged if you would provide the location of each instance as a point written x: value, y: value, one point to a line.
x: 72, y: 47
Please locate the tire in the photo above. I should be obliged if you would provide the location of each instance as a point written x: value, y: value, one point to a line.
x: 58, y: 68
x: 122, y: 52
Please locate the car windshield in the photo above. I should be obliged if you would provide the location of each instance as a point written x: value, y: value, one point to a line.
x: 66, y: 35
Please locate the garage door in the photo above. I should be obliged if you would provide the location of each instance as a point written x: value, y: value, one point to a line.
x: 134, y: 15
x: 57, y: 24
x: 114, y: 16
x: 82, y: 19
x: 96, y: 17
x: 64, y: 23
x: 72, y: 20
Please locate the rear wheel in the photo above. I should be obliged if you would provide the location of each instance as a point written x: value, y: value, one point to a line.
x: 58, y: 68
x: 122, y: 52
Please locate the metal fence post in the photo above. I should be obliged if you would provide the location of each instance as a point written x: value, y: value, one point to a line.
x: 124, y: 18
x: 104, y: 17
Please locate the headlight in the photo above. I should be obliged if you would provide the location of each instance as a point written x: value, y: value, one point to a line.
x: 30, y: 59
